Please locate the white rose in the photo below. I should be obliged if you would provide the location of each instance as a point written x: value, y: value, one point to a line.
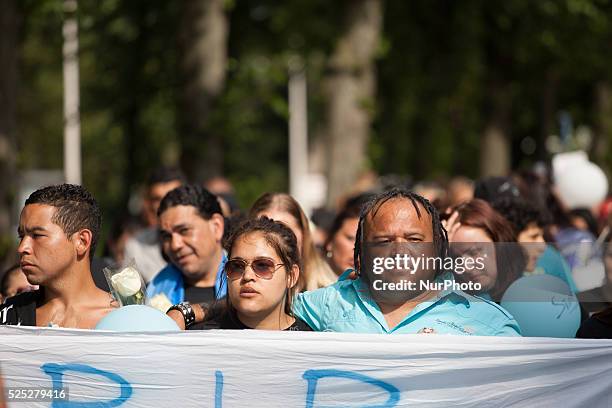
x: 160, y: 302
x: 127, y: 282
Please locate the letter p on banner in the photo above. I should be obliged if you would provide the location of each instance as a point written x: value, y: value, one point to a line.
x: 313, y: 377
x: 57, y: 372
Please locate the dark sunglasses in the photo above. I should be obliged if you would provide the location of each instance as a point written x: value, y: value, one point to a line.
x: 263, y: 268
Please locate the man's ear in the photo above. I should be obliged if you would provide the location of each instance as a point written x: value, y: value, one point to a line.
x: 82, y: 242
x: 294, y: 276
x: 217, y: 223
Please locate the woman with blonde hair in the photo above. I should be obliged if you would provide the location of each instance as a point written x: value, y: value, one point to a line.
x: 282, y: 207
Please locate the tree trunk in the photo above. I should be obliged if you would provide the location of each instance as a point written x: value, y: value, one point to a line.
x: 72, y: 120
x: 349, y: 87
x: 495, y: 149
x: 131, y: 112
x: 600, y: 149
x: 9, y: 35
x: 549, y: 106
x: 203, y: 42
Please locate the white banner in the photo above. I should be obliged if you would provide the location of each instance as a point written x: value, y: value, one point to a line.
x: 297, y: 369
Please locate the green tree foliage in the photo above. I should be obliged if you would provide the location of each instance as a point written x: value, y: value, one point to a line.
x: 445, y: 64
x: 252, y: 115
x: 442, y: 67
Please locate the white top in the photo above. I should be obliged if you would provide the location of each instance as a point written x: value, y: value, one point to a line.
x: 145, y: 249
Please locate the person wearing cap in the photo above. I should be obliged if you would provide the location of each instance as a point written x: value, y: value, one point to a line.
x: 191, y: 228
x: 491, y: 188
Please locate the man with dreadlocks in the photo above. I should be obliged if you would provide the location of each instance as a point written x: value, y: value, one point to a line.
x: 394, y: 223
x: 403, y: 222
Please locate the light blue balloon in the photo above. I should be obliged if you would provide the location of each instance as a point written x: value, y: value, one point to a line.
x: 136, y: 318
x: 550, y: 283
x: 543, y: 306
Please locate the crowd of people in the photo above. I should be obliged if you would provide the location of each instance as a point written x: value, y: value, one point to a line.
x: 210, y: 265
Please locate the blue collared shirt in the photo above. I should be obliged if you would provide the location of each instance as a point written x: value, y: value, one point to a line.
x: 170, y: 282
x: 347, y: 306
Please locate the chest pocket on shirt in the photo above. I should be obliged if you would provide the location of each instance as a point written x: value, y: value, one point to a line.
x: 345, y: 316
x: 454, y: 327
x: 480, y: 320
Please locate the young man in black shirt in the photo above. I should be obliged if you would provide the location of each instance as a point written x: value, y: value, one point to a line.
x: 58, y: 232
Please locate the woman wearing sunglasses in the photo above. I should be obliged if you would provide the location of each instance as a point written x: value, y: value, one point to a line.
x: 262, y: 272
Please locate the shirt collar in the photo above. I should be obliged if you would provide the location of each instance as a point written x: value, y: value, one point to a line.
x: 448, y: 276
x: 363, y: 293
x: 365, y: 297
x: 221, y: 280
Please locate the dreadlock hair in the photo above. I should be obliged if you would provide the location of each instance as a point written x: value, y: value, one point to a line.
x: 440, y: 237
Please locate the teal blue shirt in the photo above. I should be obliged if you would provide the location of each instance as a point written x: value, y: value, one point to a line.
x: 347, y: 306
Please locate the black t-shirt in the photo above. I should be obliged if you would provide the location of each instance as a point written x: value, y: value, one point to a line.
x: 596, y: 299
x: 595, y: 328
x: 97, y: 272
x: 20, y: 310
x: 229, y: 321
x: 194, y: 294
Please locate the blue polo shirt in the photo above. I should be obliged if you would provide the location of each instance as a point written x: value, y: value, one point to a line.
x: 347, y: 306
x: 170, y: 282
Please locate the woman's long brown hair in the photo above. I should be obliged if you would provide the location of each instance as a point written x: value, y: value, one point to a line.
x: 510, y: 259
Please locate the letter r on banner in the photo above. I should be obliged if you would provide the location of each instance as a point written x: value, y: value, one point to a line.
x: 56, y: 372
x: 312, y: 376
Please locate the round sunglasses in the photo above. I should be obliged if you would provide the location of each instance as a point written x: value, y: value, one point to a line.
x: 263, y: 268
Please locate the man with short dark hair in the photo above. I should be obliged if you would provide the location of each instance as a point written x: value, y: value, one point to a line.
x: 191, y: 228
x: 144, y: 247
x: 58, y: 231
